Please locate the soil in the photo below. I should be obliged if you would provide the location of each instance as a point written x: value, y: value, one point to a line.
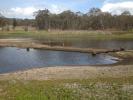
x: 79, y: 72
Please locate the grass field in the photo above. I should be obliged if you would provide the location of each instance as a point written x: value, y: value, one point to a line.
x: 97, y: 89
x: 68, y: 35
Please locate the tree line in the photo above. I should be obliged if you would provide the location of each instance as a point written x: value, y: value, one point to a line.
x: 11, y: 23
x: 94, y: 19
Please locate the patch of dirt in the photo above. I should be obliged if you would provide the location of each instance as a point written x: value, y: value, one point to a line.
x: 79, y: 72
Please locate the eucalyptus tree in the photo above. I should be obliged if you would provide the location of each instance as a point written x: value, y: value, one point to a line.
x: 14, y: 24
x: 67, y: 18
x: 95, y: 19
x: 126, y: 20
x: 42, y: 19
x: 4, y: 23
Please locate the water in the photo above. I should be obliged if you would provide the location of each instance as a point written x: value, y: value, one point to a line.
x: 98, y: 44
x: 106, y: 44
x: 15, y: 59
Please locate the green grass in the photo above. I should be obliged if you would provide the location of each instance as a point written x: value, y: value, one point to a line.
x: 68, y: 35
x: 96, y: 89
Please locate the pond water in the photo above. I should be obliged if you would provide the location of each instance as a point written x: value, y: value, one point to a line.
x: 15, y: 59
x: 98, y: 44
x: 106, y: 44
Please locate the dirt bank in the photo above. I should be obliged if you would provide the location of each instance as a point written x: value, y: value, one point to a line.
x: 79, y: 72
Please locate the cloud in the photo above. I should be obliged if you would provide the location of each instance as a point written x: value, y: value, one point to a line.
x: 25, y: 8
x: 56, y: 9
x: 117, y: 8
x: 116, y: 1
x: 27, y: 12
x: 19, y: 12
x: 24, y: 11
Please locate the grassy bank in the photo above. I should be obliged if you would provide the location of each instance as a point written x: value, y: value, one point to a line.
x: 97, y: 89
x: 68, y: 35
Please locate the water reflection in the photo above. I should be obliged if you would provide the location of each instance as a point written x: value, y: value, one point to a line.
x: 104, y: 44
x: 107, y: 44
x: 14, y: 59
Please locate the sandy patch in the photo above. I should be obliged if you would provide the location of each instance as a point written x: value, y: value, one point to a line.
x: 79, y: 72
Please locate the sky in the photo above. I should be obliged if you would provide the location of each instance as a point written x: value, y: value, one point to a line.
x: 25, y: 8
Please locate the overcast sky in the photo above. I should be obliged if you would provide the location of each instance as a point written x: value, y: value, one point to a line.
x: 25, y: 8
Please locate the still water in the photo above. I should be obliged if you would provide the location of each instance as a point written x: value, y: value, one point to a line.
x: 15, y: 59
x: 98, y: 44
x: 106, y: 44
